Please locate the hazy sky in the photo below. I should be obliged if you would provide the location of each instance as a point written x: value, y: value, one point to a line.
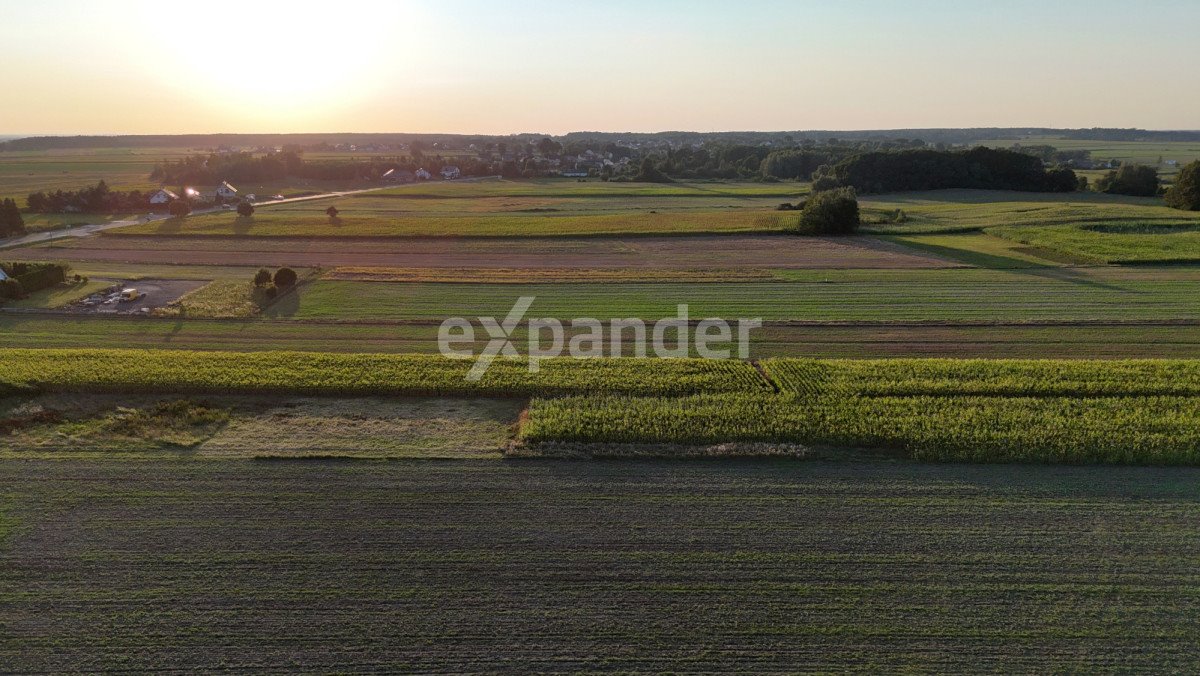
x: 563, y: 65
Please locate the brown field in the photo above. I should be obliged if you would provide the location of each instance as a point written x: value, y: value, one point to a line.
x: 677, y: 252
x: 544, y: 275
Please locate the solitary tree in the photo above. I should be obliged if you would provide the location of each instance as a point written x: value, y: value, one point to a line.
x: 11, y: 222
x: 1185, y: 194
x: 245, y: 209
x: 332, y: 213
x: 262, y: 277
x: 180, y: 208
x: 285, y: 278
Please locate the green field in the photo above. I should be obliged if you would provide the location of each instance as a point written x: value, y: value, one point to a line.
x: 313, y: 223
x: 568, y: 566
x: 834, y: 295
x: 1137, y: 412
x: 1083, y: 341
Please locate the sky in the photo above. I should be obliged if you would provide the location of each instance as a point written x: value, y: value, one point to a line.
x: 513, y: 66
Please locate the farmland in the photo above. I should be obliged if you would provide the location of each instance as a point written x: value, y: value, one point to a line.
x: 304, y: 483
x: 485, y: 566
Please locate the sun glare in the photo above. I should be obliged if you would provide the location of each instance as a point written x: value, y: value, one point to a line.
x: 284, y: 58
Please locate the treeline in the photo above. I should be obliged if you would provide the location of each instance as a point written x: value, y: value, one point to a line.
x: 979, y: 168
x: 11, y: 222
x: 732, y: 161
x: 97, y: 199
x: 249, y: 167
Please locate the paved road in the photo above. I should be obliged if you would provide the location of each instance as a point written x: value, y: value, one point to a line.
x: 91, y: 229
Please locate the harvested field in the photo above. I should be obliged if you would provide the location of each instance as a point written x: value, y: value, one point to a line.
x: 563, y: 566
x: 172, y: 427
x: 681, y: 252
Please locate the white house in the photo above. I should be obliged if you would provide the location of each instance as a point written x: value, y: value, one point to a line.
x: 423, y: 175
x: 226, y: 191
x: 163, y: 197
x: 450, y: 173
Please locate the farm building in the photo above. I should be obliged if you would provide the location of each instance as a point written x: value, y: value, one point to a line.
x: 450, y: 173
x: 574, y: 173
x: 3, y: 275
x: 163, y: 197
x: 226, y: 191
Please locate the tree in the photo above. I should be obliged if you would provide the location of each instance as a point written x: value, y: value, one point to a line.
x: 332, y: 213
x: 830, y: 212
x: 11, y: 222
x: 245, y: 209
x: 1185, y: 194
x: 180, y: 208
x: 648, y: 173
x: 285, y: 278
x: 262, y: 277
x: 1130, y: 179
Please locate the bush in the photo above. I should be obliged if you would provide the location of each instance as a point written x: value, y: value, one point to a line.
x: 262, y: 277
x: 1185, y: 194
x: 831, y: 212
x: 271, y: 292
x: 1130, y: 179
x: 285, y: 278
x: 35, y: 276
x: 245, y: 209
x: 11, y: 288
x: 179, y: 208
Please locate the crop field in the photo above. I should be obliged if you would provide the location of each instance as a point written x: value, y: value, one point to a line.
x: 313, y: 223
x: 1120, y: 243
x: 553, y: 566
x: 870, y: 340
x: 1133, y: 412
x: 962, y: 210
x: 1138, y: 152
x: 936, y: 295
x: 675, y: 252
x: 141, y: 371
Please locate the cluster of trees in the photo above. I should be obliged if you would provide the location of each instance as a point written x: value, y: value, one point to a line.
x: 97, y: 199
x: 1130, y: 179
x: 980, y: 168
x: 1185, y: 194
x: 1051, y: 155
x: 830, y: 212
x: 11, y: 222
x: 283, y: 279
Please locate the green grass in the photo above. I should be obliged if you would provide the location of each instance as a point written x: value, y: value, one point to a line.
x: 591, y: 188
x: 939, y: 211
x: 268, y: 223
x: 57, y: 296
x: 916, y: 295
x: 1128, y: 242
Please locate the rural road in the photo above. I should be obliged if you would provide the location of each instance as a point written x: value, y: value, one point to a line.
x: 85, y: 230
